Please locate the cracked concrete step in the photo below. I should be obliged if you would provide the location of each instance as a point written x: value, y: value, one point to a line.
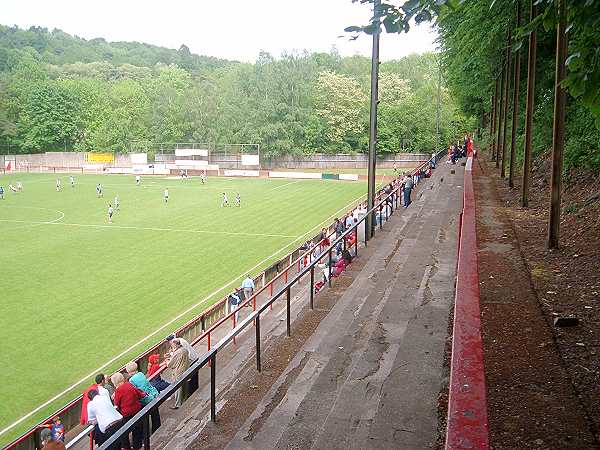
x: 370, y: 375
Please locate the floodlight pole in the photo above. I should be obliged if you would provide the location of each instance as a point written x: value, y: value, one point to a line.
x: 437, y: 112
x: 370, y: 222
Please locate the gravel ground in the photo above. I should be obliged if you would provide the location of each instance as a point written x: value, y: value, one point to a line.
x: 542, y: 380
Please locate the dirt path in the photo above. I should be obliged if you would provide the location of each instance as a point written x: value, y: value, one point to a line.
x: 532, y: 402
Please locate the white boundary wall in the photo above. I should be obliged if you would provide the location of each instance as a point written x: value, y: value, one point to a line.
x: 308, y: 175
x: 241, y: 173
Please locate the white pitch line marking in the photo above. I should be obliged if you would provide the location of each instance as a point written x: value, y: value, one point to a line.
x: 34, y: 223
x: 182, y: 230
x: 287, y: 184
x: 162, y: 327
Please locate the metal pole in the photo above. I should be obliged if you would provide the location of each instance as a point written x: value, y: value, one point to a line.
x: 505, y: 111
x: 257, y: 321
x: 312, y: 287
x: 437, y: 113
x: 146, y: 425
x: 329, y: 268
x: 558, y: 129
x: 500, y: 114
x: 288, y: 300
x: 529, y: 110
x: 515, y: 117
x: 213, y: 387
x: 369, y: 223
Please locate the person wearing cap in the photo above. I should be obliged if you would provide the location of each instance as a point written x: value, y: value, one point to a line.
x: 179, y: 362
x: 192, y: 354
x: 192, y: 385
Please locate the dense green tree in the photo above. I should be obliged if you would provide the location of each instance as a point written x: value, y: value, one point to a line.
x: 62, y: 92
x: 340, y: 102
x: 473, y: 36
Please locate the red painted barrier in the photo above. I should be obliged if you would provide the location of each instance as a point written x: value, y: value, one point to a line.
x: 467, y: 426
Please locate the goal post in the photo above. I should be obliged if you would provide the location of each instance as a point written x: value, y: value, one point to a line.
x: 237, y: 156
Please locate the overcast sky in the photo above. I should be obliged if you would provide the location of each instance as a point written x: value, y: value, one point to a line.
x: 233, y: 29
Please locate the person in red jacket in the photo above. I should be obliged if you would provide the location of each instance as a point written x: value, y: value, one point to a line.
x: 83, y: 418
x: 127, y: 400
x: 341, y: 263
x: 470, y: 149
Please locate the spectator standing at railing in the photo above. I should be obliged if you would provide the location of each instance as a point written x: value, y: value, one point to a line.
x: 234, y: 300
x: 153, y: 367
x: 179, y: 362
x: 45, y: 437
x: 339, y: 227
x: 192, y: 354
x: 408, y: 186
x: 104, y: 415
x: 128, y: 400
x: 101, y: 383
x: 349, y: 221
x: 83, y: 419
x: 324, y: 239
x: 248, y: 287
x: 192, y: 357
x: 58, y: 430
x: 139, y: 380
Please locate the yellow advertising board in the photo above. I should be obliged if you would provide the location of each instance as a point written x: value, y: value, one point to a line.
x: 100, y: 157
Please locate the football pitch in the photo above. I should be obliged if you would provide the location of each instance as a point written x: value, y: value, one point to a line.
x: 77, y: 290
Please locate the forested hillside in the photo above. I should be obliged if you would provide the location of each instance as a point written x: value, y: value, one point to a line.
x: 474, y: 39
x: 474, y: 36
x: 62, y: 92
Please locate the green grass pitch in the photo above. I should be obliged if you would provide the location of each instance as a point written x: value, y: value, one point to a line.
x: 76, y: 290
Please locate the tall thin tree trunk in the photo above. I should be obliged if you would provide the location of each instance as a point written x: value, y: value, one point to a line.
x: 515, y: 117
x: 558, y: 129
x: 529, y: 110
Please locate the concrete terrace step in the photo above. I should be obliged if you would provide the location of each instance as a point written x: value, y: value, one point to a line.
x: 370, y: 375
x: 373, y: 367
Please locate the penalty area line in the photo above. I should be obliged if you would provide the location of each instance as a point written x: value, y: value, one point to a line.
x: 170, y: 322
